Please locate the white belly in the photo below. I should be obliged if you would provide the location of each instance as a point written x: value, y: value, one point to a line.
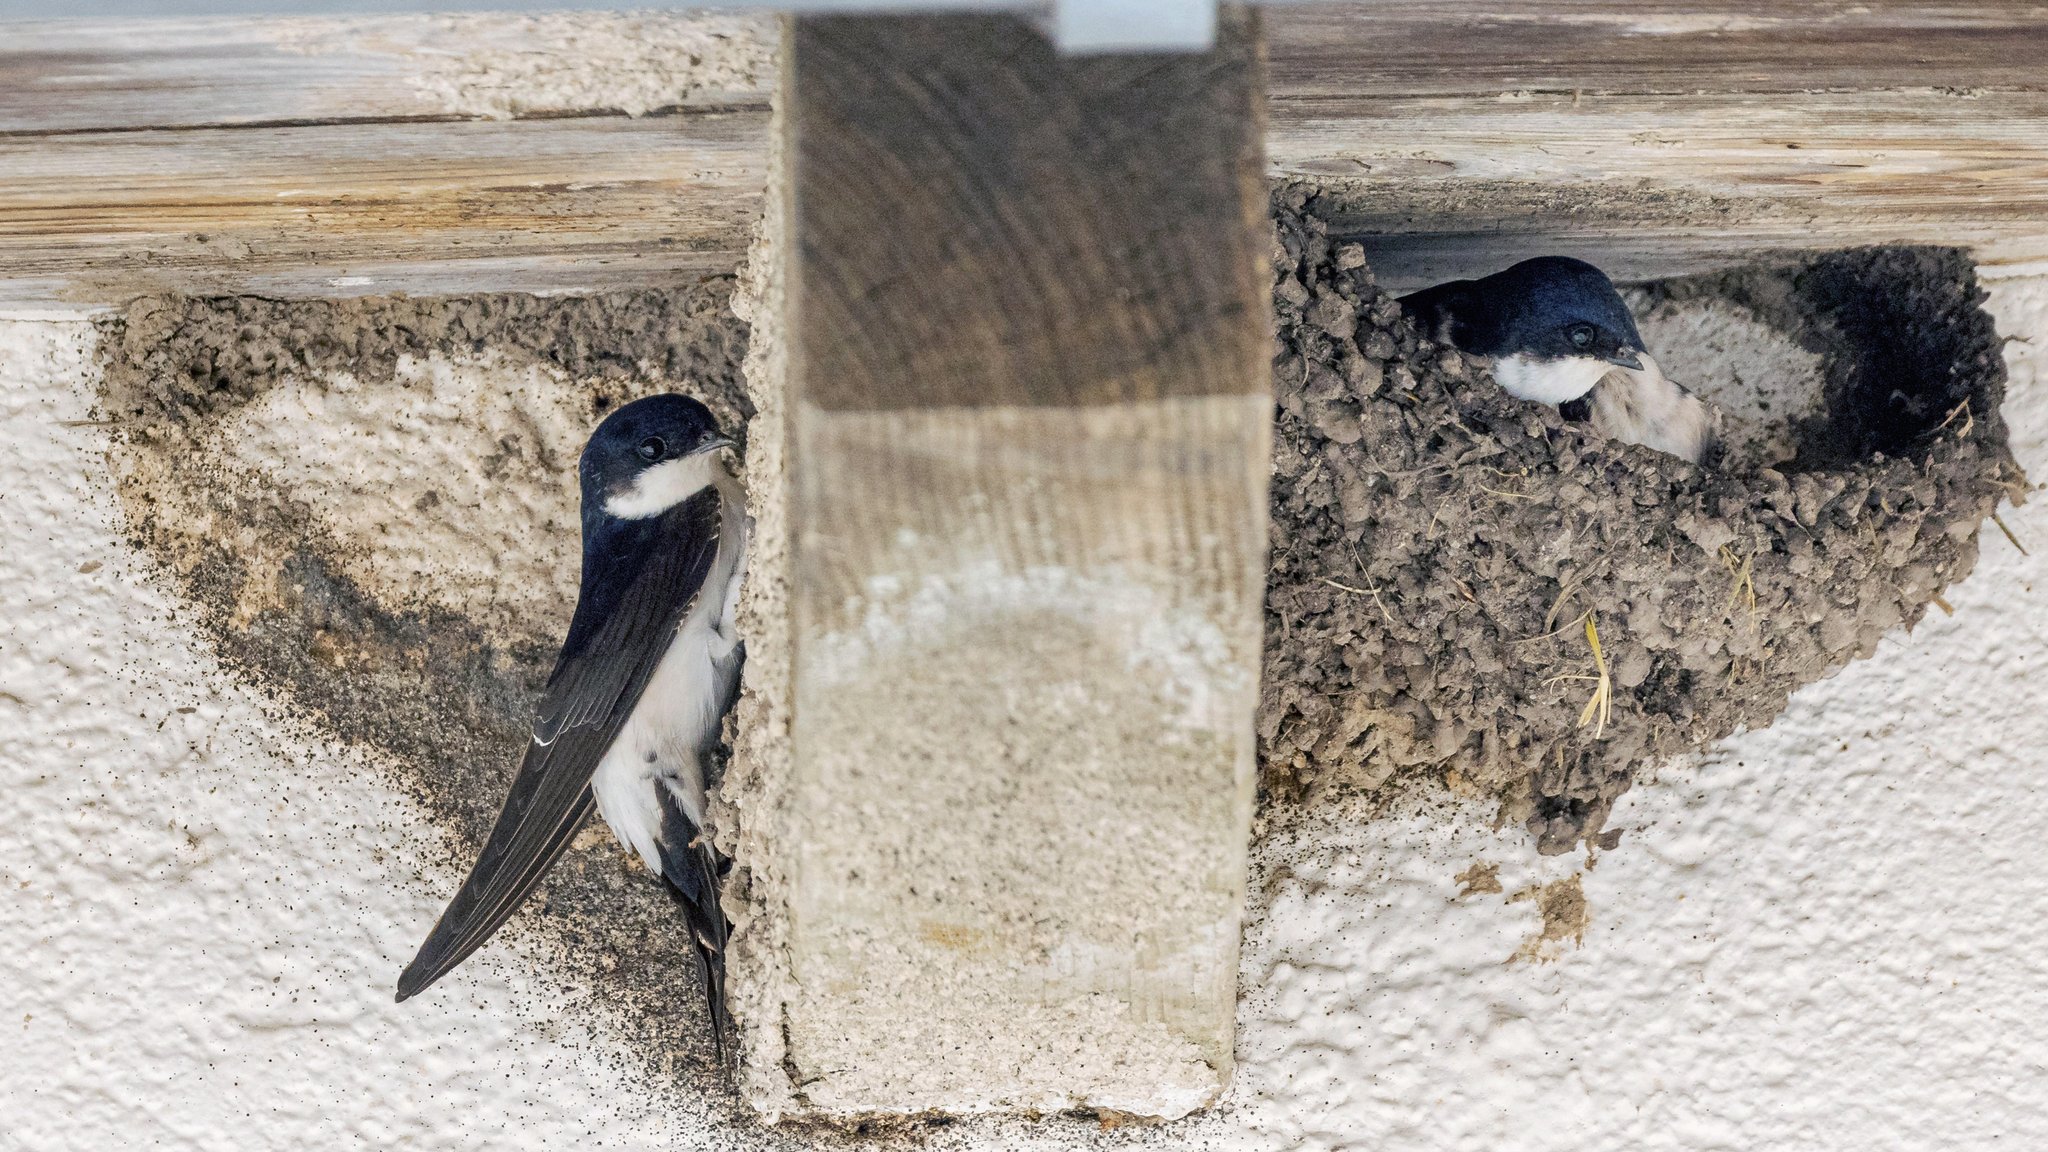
x: 678, y: 714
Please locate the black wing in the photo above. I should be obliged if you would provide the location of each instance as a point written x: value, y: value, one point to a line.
x: 639, y: 580
x: 1439, y: 312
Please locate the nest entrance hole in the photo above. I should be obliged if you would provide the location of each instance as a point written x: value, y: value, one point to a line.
x: 1822, y: 361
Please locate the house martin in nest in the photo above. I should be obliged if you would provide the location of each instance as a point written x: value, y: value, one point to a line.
x: 1554, y: 330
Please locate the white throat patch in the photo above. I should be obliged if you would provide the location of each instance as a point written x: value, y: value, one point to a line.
x: 663, y: 486
x: 1549, y: 381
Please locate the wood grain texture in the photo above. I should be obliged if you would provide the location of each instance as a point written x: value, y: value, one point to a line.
x: 356, y: 155
x: 96, y: 76
x: 92, y: 75
x: 1059, y: 231
x: 1657, y: 184
x: 1486, y: 47
x: 1668, y: 136
x: 1658, y: 135
x: 1028, y: 443
x: 363, y: 208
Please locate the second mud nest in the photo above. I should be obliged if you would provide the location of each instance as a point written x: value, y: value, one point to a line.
x: 1464, y: 585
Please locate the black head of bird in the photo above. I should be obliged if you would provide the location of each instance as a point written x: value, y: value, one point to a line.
x: 1551, y: 326
x: 641, y: 454
x: 1554, y: 330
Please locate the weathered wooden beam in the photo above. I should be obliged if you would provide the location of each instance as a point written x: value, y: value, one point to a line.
x: 74, y: 75
x: 1656, y: 136
x: 83, y: 75
x: 1665, y: 136
x: 1027, y: 425
x: 1647, y: 47
x: 357, y: 155
x: 351, y: 209
x: 1657, y: 184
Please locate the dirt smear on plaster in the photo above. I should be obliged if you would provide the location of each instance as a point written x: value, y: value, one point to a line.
x: 1440, y: 548
x: 1562, y: 905
x: 441, y: 698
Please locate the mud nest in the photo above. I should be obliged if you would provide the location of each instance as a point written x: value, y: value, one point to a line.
x: 1444, y: 556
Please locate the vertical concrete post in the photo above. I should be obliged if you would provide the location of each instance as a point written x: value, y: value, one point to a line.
x: 1026, y: 419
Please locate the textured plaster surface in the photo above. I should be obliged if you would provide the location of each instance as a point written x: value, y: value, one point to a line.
x: 492, y: 442
x: 203, y: 902
x: 1824, y: 935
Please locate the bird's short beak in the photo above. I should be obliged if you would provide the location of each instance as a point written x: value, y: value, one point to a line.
x: 1625, y: 358
x: 715, y: 443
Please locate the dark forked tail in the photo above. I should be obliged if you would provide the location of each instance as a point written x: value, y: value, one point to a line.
x: 692, y: 869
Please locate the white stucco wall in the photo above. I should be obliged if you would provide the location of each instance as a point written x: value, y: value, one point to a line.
x: 1826, y: 935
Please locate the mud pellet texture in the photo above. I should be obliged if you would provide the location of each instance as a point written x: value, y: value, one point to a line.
x: 1445, y: 558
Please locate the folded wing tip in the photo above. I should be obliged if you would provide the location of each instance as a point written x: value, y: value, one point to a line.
x: 413, y: 981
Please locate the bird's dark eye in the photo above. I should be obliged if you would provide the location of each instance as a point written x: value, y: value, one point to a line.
x: 652, y: 448
x: 1581, y: 335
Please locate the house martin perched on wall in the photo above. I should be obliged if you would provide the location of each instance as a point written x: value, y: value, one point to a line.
x: 633, y: 710
x: 1554, y: 330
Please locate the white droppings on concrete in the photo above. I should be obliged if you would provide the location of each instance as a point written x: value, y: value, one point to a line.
x: 436, y: 483
x: 1183, y: 658
x: 1041, y: 876
x: 1022, y: 766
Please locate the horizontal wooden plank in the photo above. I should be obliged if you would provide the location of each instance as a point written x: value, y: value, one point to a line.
x: 1675, y: 177
x: 533, y: 205
x: 92, y: 75
x: 1654, y: 135
x: 1453, y: 47
x: 74, y: 76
